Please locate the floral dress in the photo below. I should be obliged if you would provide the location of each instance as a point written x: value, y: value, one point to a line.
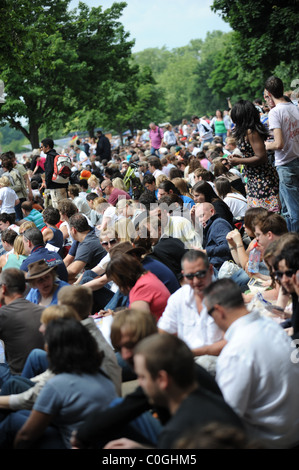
x: 262, y: 182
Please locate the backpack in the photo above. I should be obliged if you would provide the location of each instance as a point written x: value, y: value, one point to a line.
x: 62, y: 169
x: 133, y: 184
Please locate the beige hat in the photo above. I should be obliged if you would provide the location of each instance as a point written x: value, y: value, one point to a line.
x: 38, y: 269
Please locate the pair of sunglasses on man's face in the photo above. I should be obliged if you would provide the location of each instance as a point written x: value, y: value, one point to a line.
x: 198, y: 275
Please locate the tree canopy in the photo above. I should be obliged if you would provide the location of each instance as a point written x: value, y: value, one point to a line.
x: 55, y: 60
x: 266, y: 31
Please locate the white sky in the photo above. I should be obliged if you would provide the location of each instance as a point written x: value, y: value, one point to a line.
x: 170, y: 23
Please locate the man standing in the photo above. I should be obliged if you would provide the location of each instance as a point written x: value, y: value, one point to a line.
x: 58, y: 191
x: 255, y: 370
x: 204, y: 129
x: 103, y: 148
x: 156, y: 138
x: 19, y: 323
x: 284, y: 122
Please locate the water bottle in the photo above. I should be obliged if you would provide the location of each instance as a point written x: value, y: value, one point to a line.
x: 254, y: 260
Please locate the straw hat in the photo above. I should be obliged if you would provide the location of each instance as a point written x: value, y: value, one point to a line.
x: 38, y: 269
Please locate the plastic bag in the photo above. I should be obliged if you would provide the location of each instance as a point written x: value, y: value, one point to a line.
x: 227, y: 269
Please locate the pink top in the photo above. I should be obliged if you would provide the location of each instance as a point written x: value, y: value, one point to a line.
x: 156, y: 137
x: 151, y: 290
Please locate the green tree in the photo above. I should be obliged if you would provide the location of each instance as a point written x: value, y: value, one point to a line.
x: 267, y: 32
x: 55, y: 60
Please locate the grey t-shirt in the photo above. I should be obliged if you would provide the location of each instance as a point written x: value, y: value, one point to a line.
x: 70, y: 398
x: 90, y: 250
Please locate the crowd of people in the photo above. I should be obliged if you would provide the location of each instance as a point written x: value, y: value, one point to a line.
x: 170, y: 263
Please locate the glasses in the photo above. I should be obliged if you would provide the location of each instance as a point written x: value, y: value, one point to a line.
x: 211, y: 310
x: 289, y: 273
x: 198, y: 275
x: 110, y: 242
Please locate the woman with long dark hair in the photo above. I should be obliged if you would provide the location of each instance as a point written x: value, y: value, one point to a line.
x: 77, y: 389
x: 203, y: 192
x: 262, y: 177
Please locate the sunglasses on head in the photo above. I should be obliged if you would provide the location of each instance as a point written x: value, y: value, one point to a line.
x: 289, y: 273
x: 198, y: 275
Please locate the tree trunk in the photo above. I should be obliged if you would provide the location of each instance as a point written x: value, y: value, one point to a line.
x: 91, y: 132
x: 33, y: 135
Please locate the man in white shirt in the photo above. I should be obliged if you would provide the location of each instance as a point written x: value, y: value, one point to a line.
x: 186, y: 315
x: 284, y: 122
x: 204, y: 129
x: 257, y: 370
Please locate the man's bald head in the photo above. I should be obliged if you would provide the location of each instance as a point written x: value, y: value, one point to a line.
x: 204, y: 212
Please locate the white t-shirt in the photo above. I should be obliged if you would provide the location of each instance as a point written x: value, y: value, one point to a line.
x: 285, y: 116
x: 237, y: 204
x: 8, y: 197
x: 82, y: 157
x: 169, y: 138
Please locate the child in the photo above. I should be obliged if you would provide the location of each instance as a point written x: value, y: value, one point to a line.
x: 8, y: 198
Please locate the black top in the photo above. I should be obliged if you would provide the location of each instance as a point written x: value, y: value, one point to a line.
x: 200, y: 408
x: 103, y: 149
x: 170, y: 250
x: 49, y: 170
x: 223, y: 211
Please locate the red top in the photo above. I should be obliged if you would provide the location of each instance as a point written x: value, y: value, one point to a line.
x: 151, y: 290
x: 117, y: 193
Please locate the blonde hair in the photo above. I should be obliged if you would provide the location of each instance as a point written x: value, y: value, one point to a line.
x: 125, y: 230
x: 119, y: 184
x: 25, y: 226
x: 93, y: 179
x: 161, y: 178
x: 123, y: 203
x: 18, y: 246
x: 231, y: 140
x: 77, y: 297
x: 98, y: 201
x: 4, y: 182
x: 58, y: 311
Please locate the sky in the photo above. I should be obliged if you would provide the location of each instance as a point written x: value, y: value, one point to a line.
x: 169, y: 23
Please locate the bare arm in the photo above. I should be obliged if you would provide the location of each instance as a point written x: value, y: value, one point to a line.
x: 141, y: 305
x: 210, y: 349
x: 32, y: 429
x: 74, y: 269
x: 278, y: 142
x: 259, y: 149
x: 97, y: 283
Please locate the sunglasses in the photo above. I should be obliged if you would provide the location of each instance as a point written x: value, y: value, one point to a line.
x: 289, y: 273
x: 198, y: 275
x: 113, y: 240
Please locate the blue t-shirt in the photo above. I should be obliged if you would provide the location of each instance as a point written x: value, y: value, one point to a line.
x: 188, y: 201
x: 70, y: 398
